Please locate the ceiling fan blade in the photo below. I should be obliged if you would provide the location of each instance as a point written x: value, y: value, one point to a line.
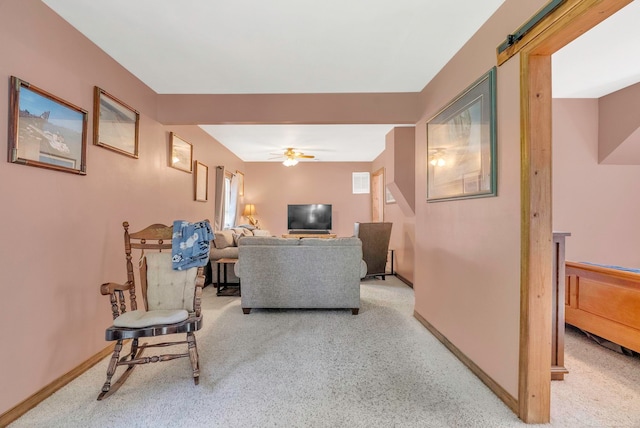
x: 302, y: 156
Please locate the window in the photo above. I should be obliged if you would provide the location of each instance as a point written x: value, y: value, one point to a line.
x: 229, y: 209
x: 360, y: 182
x: 230, y: 201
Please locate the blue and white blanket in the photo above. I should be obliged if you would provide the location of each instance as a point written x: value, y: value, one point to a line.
x: 190, y: 244
x: 625, y: 269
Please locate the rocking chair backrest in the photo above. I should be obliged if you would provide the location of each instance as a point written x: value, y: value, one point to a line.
x: 156, y: 237
x: 168, y: 288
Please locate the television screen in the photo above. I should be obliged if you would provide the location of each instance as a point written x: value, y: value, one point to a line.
x: 309, y: 217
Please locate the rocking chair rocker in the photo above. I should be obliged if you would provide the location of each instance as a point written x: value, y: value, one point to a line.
x: 171, y: 300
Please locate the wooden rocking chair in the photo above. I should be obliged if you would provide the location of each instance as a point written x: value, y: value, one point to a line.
x: 171, y: 300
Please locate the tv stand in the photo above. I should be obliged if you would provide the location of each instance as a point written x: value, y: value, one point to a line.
x: 309, y: 232
x: 309, y: 235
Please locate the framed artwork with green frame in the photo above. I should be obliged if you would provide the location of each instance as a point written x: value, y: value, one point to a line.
x: 461, y: 145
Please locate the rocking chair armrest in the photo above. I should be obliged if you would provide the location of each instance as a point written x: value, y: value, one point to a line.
x: 112, y: 287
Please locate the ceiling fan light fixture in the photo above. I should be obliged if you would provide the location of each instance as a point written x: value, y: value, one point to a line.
x: 290, y: 162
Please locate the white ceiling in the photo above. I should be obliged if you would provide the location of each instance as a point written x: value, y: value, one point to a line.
x: 307, y: 46
x: 328, y: 143
x: 601, y: 61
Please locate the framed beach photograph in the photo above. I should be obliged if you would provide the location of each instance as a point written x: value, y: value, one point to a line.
x: 45, y: 131
x: 181, y: 153
x: 115, y: 124
x: 461, y: 145
x: 201, y: 181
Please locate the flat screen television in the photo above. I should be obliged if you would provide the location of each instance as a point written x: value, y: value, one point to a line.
x: 309, y: 217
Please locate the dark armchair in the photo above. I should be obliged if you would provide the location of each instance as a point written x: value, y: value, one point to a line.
x: 375, y: 246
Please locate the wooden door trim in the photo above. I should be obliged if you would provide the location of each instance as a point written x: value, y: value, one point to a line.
x: 379, y: 172
x: 562, y: 26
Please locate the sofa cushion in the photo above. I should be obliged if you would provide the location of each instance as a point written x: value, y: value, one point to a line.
x: 223, y: 239
x: 330, y: 242
x: 224, y: 253
x: 269, y: 240
x: 261, y: 232
x: 168, y: 288
x: 242, y: 231
x: 140, y: 319
x: 236, y: 238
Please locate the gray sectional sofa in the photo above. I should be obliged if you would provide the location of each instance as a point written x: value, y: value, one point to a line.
x: 300, y: 273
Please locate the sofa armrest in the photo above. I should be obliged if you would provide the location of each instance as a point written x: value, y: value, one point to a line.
x: 363, y: 269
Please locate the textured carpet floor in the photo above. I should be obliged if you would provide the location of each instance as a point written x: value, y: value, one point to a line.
x: 328, y: 368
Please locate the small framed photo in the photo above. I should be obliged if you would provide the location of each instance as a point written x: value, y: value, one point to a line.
x: 115, y: 124
x: 201, y: 182
x: 388, y: 196
x: 45, y: 131
x: 181, y: 154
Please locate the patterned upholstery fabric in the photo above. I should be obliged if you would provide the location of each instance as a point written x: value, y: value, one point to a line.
x: 168, y: 288
x: 170, y: 294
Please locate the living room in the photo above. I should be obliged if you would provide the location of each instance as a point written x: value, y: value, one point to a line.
x: 76, y: 220
x: 65, y: 229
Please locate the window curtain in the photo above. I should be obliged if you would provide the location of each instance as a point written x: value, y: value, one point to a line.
x: 234, y: 200
x: 227, y: 199
x: 219, y: 199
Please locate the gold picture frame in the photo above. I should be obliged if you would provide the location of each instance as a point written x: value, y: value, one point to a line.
x: 181, y: 154
x: 115, y: 124
x: 201, y: 182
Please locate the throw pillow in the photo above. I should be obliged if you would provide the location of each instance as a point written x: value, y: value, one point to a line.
x: 260, y: 232
x: 242, y: 231
x: 236, y: 238
x: 223, y: 239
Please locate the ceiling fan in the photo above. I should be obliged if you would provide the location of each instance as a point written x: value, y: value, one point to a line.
x: 291, y: 156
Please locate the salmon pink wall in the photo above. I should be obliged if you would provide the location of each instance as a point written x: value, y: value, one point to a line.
x: 62, y: 233
x: 271, y: 186
x: 394, y: 159
x: 596, y: 203
x: 467, y: 272
x: 618, y: 130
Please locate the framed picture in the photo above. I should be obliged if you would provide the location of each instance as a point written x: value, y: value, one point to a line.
x: 240, y: 183
x: 201, y: 180
x: 461, y: 145
x: 115, y: 124
x: 46, y: 131
x: 388, y: 197
x: 181, y: 154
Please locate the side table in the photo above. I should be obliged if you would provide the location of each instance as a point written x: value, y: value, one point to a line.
x: 224, y: 286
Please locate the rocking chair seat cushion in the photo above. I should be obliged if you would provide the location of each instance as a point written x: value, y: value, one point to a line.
x: 139, y: 319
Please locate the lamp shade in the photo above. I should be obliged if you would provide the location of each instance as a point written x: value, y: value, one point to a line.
x: 249, y: 210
